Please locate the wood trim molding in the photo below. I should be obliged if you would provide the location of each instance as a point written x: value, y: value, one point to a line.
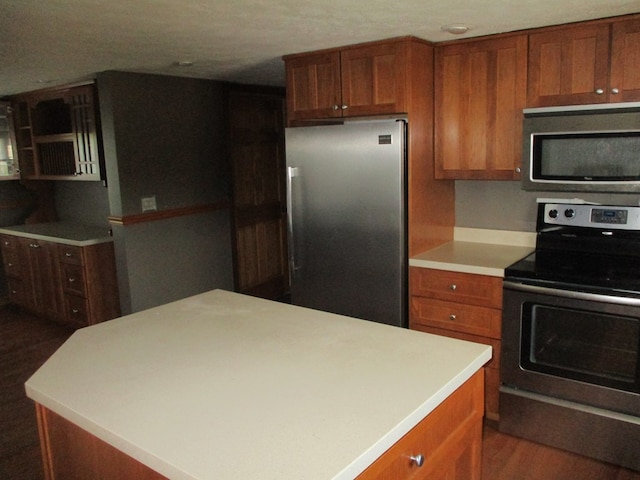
x: 167, y: 214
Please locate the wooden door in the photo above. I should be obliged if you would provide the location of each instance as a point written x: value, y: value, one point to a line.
x: 373, y: 79
x: 259, y: 197
x: 569, y: 66
x: 313, y: 86
x: 625, y: 62
x: 480, y: 91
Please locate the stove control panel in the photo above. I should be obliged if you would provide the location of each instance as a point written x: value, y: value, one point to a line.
x: 595, y: 216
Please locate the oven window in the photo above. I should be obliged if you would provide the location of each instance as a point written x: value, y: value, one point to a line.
x: 589, y: 346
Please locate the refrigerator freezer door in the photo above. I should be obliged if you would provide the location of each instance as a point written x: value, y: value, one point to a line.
x: 346, y: 203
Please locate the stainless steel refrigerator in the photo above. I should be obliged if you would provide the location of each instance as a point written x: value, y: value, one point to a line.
x: 347, y: 218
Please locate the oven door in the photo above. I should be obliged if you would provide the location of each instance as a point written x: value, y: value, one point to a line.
x: 575, y: 346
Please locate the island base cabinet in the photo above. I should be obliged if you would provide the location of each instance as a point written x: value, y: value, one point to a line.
x: 449, y: 440
x: 71, y: 453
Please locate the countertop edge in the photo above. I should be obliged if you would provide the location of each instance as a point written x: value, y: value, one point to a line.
x: 55, y: 239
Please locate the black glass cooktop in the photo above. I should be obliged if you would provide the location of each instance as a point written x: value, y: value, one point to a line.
x: 606, y: 270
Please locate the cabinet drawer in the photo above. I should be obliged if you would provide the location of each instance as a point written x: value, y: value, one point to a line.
x: 70, y: 254
x: 457, y: 316
x: 12, y: 265
x: 17, y: 291
x: 446, y: 432
x: 8, y: 242
x: 472, y: 289
x: 494, y: 363
x: 76, y: 310
x: 73, y: 279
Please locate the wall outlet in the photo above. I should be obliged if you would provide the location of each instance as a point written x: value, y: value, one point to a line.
x: 149, y: 204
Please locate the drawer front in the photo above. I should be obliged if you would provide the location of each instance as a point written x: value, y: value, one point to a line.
x: 8, y: 242
x: 77, y: 310
x: 70, y: 254
x: 453, y: 425
x: 494, y: 363
x: 456, y: 316
x: 17, y: 293
x: 472, y: 289
x: 12, y: 265
x: 73, y: 279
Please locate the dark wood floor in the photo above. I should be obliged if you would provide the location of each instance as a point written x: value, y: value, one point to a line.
x: 26, y: 342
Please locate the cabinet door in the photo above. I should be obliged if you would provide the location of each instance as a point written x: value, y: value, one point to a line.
x: 480, y: 91
x: 373, y: 79
x: 625, y: 62
x: 313, y: 86
x: 44, y: 275
x: 569, y: 66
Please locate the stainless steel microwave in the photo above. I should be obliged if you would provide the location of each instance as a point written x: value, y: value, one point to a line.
x: 585, y: 148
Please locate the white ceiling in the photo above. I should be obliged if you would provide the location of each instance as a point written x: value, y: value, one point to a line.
x: 51, y: 42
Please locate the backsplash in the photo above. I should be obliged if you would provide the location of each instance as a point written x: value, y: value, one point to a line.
x: 503, y: 205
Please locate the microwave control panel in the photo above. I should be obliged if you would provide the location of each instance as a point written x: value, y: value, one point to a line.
x: 594, y: 216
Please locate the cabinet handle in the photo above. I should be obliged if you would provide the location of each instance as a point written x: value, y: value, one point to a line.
x: 453, y: 287
x: 344, y: 107
x: 599, y: 91
x: 34, y: 245
x: 336, y: 107
x: 10, y: 264
x: 452, y: 316
x: 615, y: 91
x: 68, y: 255
x: 75, y: 310
x: 417, y: 459
x: 71, y: 280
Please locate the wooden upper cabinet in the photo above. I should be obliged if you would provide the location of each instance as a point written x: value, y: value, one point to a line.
x: 480, y: 91
x: 359, y: 80
x: 313, y: 86
x: 625, y: 61
x: 373, y: 80
x: 576, y: 65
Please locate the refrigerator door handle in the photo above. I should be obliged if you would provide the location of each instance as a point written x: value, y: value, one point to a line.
x: 291, y: 172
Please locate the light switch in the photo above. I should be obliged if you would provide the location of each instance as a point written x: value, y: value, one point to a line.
x: 149, y: 203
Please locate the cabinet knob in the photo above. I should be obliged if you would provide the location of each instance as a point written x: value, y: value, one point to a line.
x: 418, y: 460
x: 599, y: 91
x: 615, y: 91
x: 453, y: 287
x: 344, y: 107
x: 518, y: 169
x: 336, y: 107
x: 71, y: 280
x: 452, y: 316
x: 75, y: 310
x: 68, y: 255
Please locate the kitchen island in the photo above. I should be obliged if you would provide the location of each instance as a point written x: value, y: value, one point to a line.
x: 226, y: 386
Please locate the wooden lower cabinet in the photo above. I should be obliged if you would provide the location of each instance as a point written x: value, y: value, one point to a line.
x: 449, y: 440
x: 71, y: 284
x: 463, y: 306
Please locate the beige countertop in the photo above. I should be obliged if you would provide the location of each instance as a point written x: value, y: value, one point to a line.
x: 61, y: 232
x: 226, y: 386
x: 479, y: 251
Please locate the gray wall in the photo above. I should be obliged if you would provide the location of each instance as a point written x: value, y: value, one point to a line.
x: 502, y: 205
x: 165, y: 136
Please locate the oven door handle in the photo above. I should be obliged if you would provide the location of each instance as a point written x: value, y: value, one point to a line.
x: 596, y: 297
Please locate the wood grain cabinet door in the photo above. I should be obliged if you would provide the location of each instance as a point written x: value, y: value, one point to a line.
x: 569, y: 66
x: 313, y: 86
x: 373, y: 79
x: 480, y: 91
x: 625, y: 61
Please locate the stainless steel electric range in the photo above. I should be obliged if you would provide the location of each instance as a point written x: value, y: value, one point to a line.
x: 571, y: 334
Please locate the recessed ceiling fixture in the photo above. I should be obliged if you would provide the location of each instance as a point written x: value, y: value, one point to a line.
x: 183, y: 63
x: 455, y: 28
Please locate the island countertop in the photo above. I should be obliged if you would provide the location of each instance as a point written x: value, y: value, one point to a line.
x: 226, y: 386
